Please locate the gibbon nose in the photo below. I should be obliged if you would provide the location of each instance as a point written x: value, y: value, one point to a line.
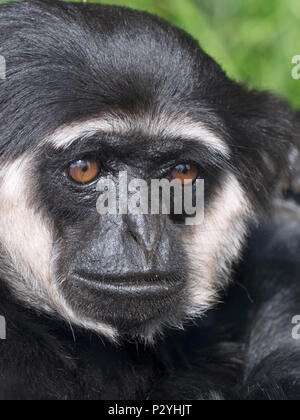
x: 146, y: 230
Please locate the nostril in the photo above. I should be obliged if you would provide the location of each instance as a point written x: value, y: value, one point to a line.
x: 148, y: 245
x: 146, y: 231
x: 134, y: 236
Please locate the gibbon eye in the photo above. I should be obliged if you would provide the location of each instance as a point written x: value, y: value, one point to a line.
x: 184, y: 173
x: 83, y: 171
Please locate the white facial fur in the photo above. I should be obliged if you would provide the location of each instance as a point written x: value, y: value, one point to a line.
x: 27, y: 236
x: 27, y: 239
x: 216, y: 244
x: 161, y: 127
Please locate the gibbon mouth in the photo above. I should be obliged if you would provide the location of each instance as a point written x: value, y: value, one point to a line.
x: 134, y: 284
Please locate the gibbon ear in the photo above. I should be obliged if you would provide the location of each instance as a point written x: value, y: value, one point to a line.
x: 265, y: 132
x: 290, y: 184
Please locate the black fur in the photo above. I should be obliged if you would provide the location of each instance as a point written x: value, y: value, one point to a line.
x: 66, y: 62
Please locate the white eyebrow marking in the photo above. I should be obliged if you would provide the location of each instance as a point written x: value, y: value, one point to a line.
x: 162, y: 127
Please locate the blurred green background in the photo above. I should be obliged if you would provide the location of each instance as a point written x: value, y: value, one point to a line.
x: 253, y: 40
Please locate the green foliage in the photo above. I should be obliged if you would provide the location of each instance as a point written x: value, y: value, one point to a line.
x: 254, y: 40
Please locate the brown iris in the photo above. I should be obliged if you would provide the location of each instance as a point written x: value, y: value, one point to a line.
x: 83, y: 171
x: 184, y: 173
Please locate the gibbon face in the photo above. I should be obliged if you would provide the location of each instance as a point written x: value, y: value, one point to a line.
x: 92, y: 91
